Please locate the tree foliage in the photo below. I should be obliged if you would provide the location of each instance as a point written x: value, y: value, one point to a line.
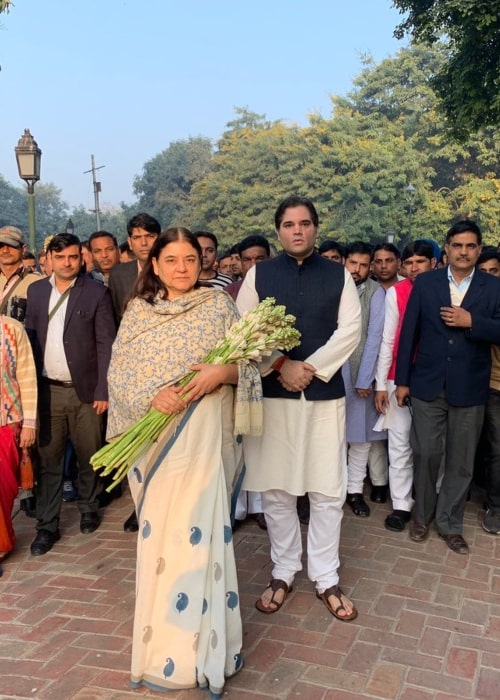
x: 52, y: 213
x: 355, y: 164
x: 167, y: 179
x: 468, y: 83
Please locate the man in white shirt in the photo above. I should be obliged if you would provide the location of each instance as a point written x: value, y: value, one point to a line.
x: 70, y: 322
x: 417, y: 258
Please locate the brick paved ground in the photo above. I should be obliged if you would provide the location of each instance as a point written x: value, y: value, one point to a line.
x: 429, y: 623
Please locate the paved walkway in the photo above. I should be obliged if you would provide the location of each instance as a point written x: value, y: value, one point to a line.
x: 429, y: 622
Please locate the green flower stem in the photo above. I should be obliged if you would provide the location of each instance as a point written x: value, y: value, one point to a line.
x: 257, y: 334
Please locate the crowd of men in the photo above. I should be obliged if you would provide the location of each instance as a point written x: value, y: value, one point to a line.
x: 410, y: 338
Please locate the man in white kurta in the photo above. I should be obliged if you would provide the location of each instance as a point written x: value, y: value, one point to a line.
x: 303, y: 447
x: 417, y: 258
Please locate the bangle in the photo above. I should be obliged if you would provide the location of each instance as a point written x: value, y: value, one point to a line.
x: 279, y: 363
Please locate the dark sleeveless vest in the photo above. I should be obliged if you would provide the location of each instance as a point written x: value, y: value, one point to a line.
x: 311, y: 292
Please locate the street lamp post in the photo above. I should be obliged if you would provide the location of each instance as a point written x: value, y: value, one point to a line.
x: 410, y: 196
x: 70, y: 227
x: 390, y: 236
x: 29, y: 157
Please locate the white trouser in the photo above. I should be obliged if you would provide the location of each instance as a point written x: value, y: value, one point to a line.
x: 247, y: 503
x: 400, y: 453
x: 378, y: 467
x: 358, y: 455
x: 323, y: 537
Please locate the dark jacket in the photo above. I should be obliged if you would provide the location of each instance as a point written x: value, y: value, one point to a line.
x: 311, y: 292
x: 89, y: 332
x: 433, y: 357
x: 121, y: 283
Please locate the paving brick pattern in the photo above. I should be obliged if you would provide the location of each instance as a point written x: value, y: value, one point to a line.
x: 428, y: 628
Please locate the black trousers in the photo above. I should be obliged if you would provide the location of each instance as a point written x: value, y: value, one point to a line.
x: 437, y: 429
x: 62, y: 414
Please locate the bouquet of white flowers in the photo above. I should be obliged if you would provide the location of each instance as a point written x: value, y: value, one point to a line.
x: 266, y: 328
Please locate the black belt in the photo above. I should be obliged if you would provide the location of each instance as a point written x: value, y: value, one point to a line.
x: 58, y: 382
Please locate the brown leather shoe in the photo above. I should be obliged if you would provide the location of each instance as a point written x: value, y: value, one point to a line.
x: 418, y: 531
x: 456, y: 543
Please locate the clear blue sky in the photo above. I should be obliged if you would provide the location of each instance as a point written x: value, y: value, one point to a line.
x: 122, y: 79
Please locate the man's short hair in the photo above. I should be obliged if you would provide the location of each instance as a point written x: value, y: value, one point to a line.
x: 254, y: 240
x: 419, y: 247
x: 224, y: 255
x: 102, y: 234
x: 488, y: 253
x: 144, y: 221
x: 464, y: 226
x: 359, y: 248
x: 63, y: 240
x: 291, y: 203
x: 329, y: 244
x: 389, y: 248
x: 207, y: 234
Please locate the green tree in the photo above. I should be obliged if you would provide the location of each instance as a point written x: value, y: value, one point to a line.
x: 356, y: 164
x: 394, y: 99
x: 167, y: 179
x: 468, y: 83
x: 256, y: 163
x: 113, y: 220
x: 13, y: 207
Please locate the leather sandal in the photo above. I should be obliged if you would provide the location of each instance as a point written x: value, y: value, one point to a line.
x: 338, y: 593
x: 358, y: 504
x: 275, y: 584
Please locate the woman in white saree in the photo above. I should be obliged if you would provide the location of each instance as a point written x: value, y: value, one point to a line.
x: 187, y: 624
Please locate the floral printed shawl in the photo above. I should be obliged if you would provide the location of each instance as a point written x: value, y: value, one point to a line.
x: 157, y: 343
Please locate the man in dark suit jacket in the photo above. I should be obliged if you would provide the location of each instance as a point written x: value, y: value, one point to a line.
x: 143, y: 230
x: 444, y: 361
x: 71, y: 325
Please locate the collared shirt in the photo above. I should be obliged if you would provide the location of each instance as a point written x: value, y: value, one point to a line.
x: 99, y: 277
x: 55, y: 365
x: 458, y: 289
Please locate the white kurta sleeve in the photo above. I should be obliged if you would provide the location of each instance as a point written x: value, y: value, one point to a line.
x: 388, y: 337
x: 247, y: 300
x: 330, y: 357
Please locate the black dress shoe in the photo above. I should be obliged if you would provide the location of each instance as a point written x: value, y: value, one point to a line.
x: 131, y: 524
x: 396, y: 521
x: 43, y: 542
x: 28, y: 506
x: 89, y: 522
x: 379, y: 494
x: 358, y: 504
